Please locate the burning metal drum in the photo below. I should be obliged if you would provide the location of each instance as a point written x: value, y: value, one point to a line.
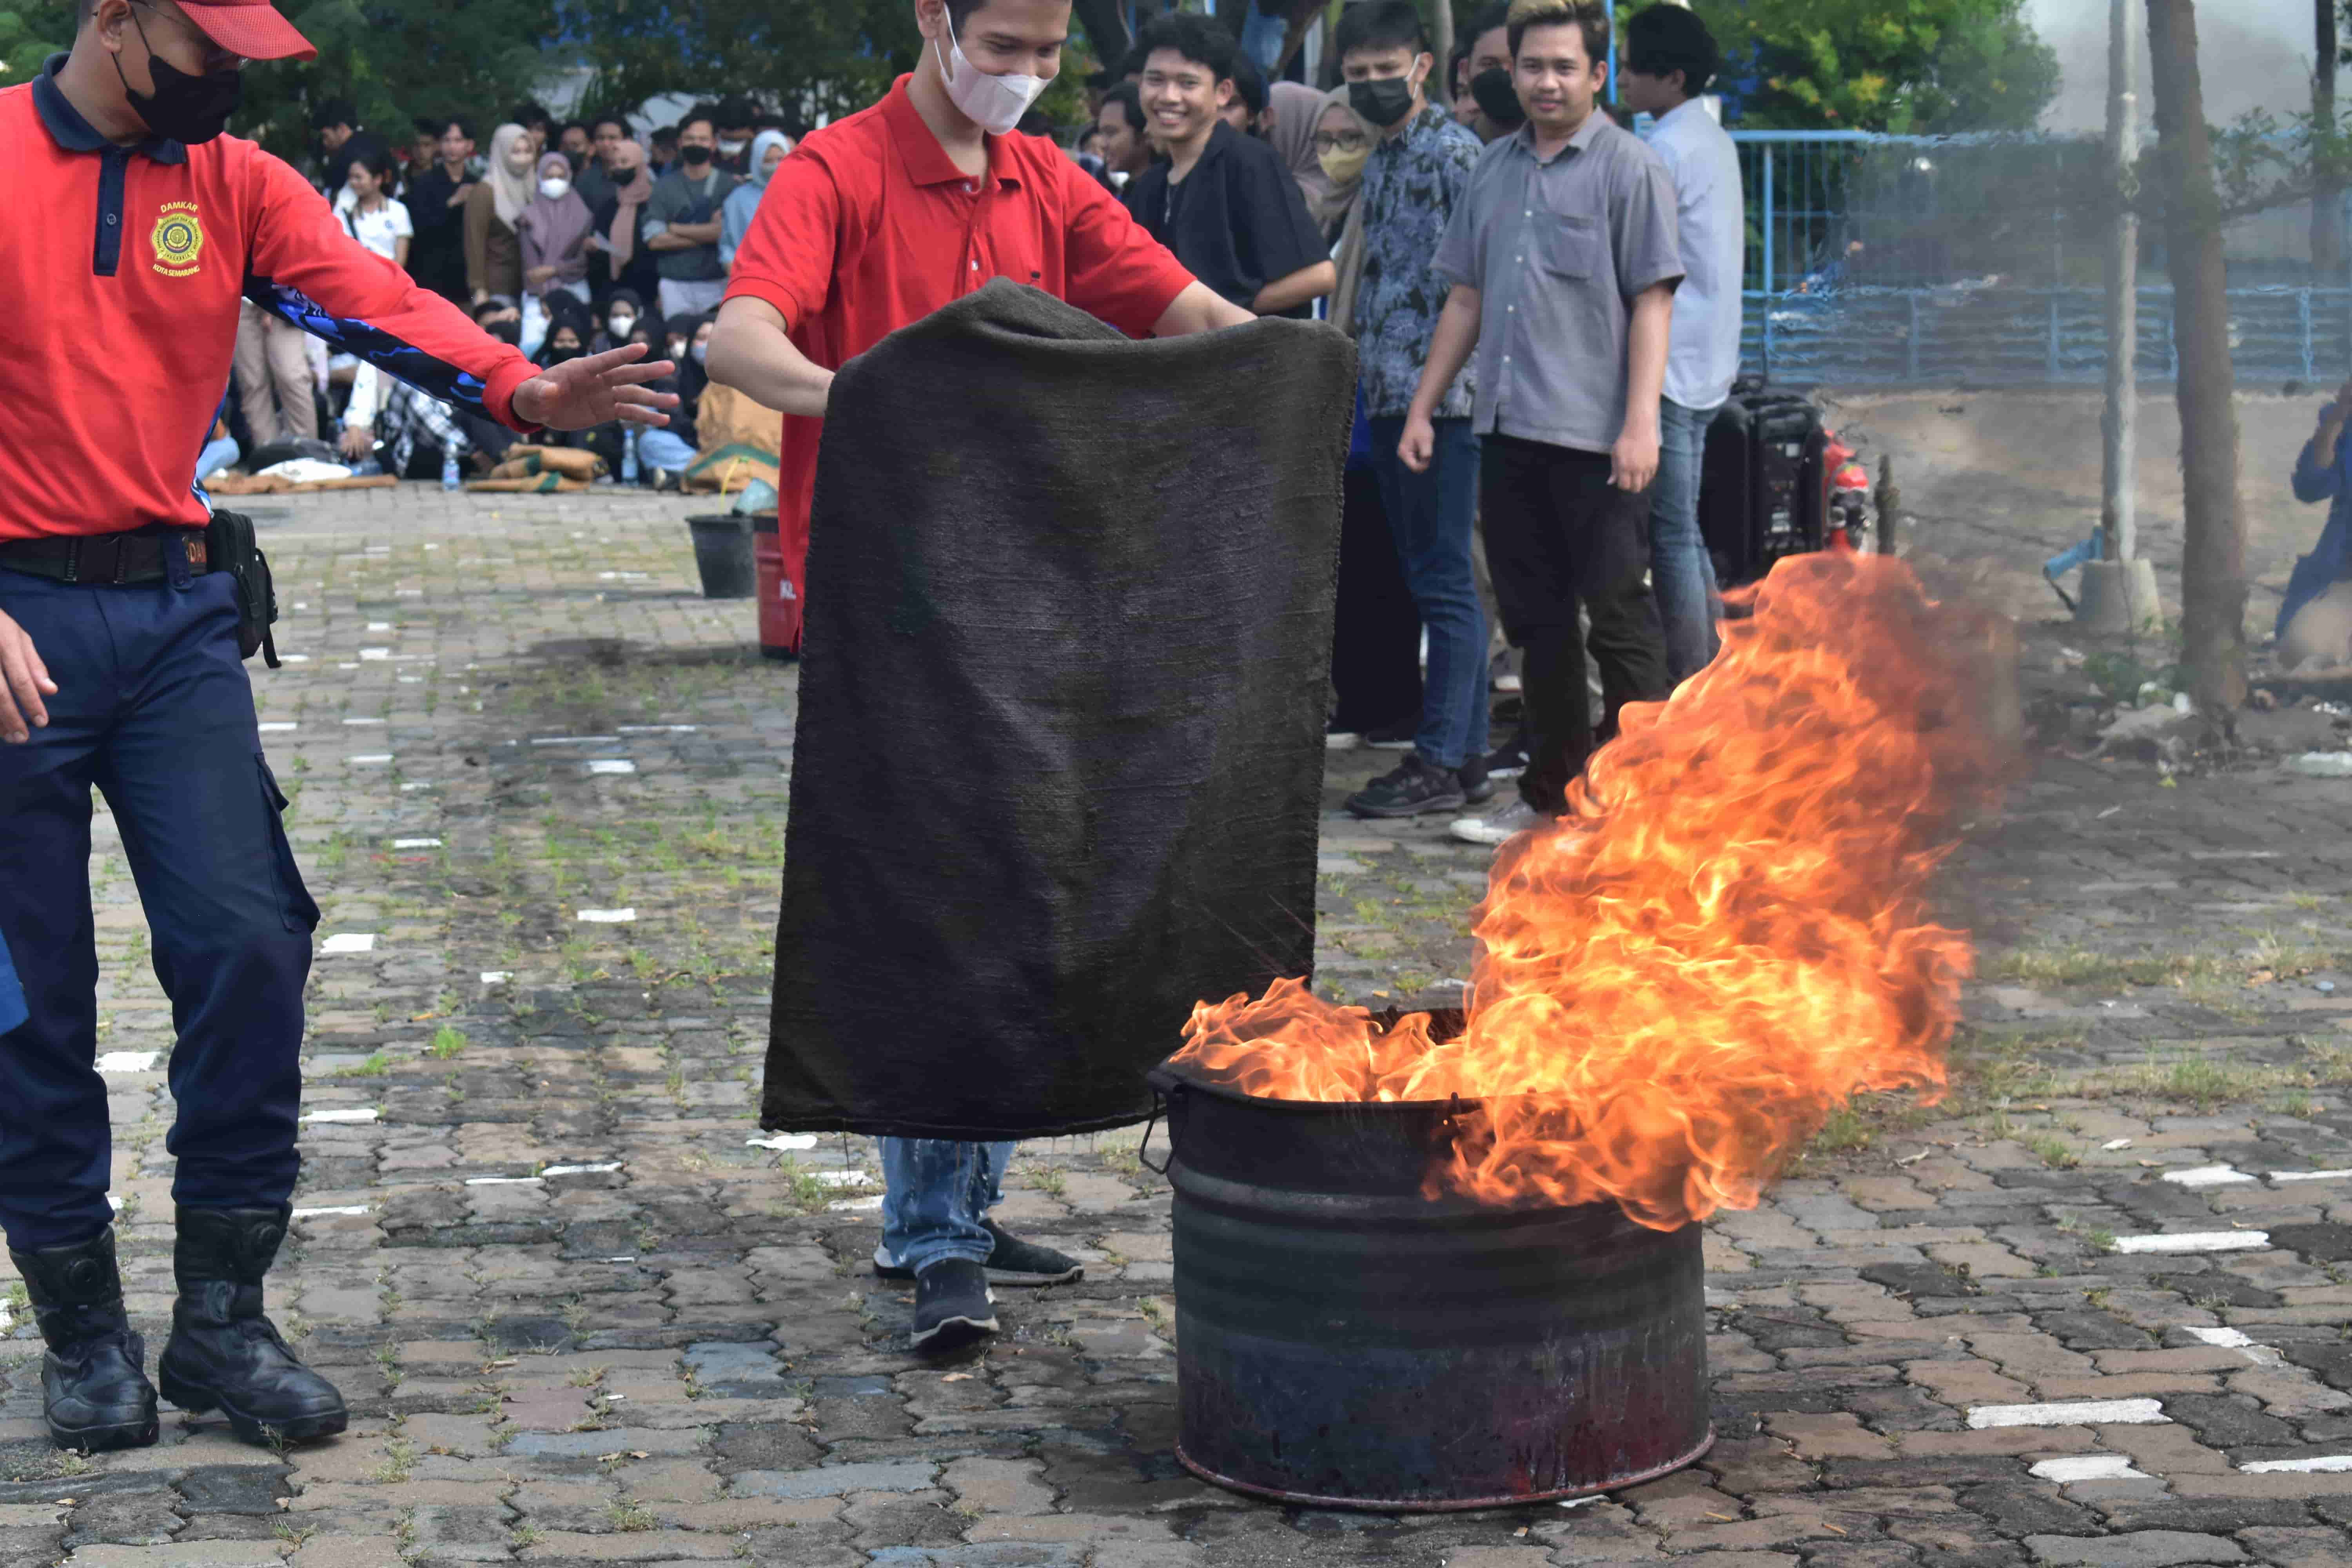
x: 1345, y: 1341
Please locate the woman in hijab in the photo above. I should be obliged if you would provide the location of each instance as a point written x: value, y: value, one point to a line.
x: 554, y: 233
x: 493, y: 252
x: 620, y: 224
x: 767, y: 150
x: 622, y: 313
x: 1295, y: 110
x: 1376, y: 634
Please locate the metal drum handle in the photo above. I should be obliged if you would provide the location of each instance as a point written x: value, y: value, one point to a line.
x: 1160, y: 1102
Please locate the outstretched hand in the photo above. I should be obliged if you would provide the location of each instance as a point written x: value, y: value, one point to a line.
x: 596, y: 389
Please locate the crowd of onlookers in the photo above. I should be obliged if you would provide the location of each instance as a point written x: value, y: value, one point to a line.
x: 1547, y: 315
x: 1545, y: 308
x: 563, y: 238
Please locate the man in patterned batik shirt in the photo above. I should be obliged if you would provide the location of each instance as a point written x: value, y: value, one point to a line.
x: 1416, y: 173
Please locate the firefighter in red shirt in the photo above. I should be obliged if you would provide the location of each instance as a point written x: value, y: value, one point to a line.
x: 140, y: 227
x: 873, y: 223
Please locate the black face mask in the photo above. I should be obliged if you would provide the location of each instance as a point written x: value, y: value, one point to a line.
x: 191, y: 110
x: 693, y: 155
x: 1383, y: 103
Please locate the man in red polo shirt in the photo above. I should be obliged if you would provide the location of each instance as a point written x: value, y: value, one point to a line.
x: 873, y: 223
x: 140, y: 227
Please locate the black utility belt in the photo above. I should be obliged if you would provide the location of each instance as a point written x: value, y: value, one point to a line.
x: 145, y: 555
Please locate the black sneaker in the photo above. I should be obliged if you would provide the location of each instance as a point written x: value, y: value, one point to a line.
x: 1414, y: 789
x: 1394, y: 737
x: 1478, y: 783
x: 1014, y: 1262
x: 952, y: 1305
x: 1509, y: 762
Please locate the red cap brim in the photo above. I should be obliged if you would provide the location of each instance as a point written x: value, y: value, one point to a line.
x: 252, y: 28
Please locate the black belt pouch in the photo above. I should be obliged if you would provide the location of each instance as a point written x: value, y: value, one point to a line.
x: 230, y: 547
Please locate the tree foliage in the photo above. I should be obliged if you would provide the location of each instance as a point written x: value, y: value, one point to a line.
x: 30, y: 34
x: 1906, y: 67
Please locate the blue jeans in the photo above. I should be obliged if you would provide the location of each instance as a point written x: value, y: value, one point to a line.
x: 935, y: 1191
x: 661, y: 449
x: 216, y: 455
x: 1682, y: 573
x: 1432, y: 515
x: 154, y: 709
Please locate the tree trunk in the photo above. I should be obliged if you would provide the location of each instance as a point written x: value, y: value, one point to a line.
x: 2213, y: 561
x: 1106, y: 26
x: 2328, y: 202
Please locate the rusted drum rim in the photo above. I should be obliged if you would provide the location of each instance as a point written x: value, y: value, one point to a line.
x: 1445, y: 1505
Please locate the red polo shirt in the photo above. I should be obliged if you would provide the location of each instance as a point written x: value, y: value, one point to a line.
x: 869, y: 226
x: 122, y: 271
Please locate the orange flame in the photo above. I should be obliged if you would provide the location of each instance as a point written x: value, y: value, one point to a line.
x: 1722, y: 940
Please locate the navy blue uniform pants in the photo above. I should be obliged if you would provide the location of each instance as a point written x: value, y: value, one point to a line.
x: 153, y: 709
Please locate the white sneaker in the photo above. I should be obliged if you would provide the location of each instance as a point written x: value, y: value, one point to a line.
x: 1341, y: 739
x: 1506, y: 822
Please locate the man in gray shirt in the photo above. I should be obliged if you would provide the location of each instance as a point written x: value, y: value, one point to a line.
x: 1563, y: 258
x: 682, y: 224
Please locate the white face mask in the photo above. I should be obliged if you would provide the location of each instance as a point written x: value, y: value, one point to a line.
x: 729, y: 148
x: 994, y: 103
x: 555, y: 189
x: 620, y: 325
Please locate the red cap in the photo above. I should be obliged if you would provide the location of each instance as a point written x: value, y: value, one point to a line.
x: 252, y: 28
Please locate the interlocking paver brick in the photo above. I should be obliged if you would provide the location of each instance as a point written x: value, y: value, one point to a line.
x: 685, y: 1357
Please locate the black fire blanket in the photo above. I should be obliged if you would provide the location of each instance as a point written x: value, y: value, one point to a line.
x: 1059, y: 757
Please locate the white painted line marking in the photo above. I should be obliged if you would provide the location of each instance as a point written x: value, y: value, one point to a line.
x: 2325, y: 1464
x: 414, y: 783
x: 611, y: 765
x: 379, y: 626
x: 2209, y: 1176
x: 2311, y: 1176
x: 497, y: 976
x: 293, y: 659
x: 574, y: 740
x: 326, y: 1212
x: 2112, y: 1144
x: 658, y: 728
x: 608, y: 917
x: 856, y: 1205
x: 374, y: 655
x: 582, y: 1170
x: 2227, y: 1338
x: 350, y: 942
x: 844, y: 1179
x: 114, y: 1203
x: 782, y: 1141
x: 2075, y: 1413
x: 129, y: 1061
x: 2197, y: 1241
x: 2089, y: 1468
x: 373, y: 759
x: 363, y: 723
x: 355, y: 1115
x: 278, y: 727
x: 506, y: 1181
x: 417, y: 844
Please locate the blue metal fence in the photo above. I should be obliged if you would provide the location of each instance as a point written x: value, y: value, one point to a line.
x: 1892, y: 260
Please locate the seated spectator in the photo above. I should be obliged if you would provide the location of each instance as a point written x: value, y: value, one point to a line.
x: 664, y: 454
x: 401, y: 431
x: 554, y: 231
x: 622, y: 313
x: 493, y: 248
x: 1225, y: 203
x: 374, y: 218
x: 221, y: 450
x: 769, y: 149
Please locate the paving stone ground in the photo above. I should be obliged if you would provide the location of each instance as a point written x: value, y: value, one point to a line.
x: 582, y: 1317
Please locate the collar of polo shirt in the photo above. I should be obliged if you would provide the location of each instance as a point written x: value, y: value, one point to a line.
x: 69, y: 131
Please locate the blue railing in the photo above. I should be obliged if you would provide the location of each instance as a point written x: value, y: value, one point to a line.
x: 1887, y: 261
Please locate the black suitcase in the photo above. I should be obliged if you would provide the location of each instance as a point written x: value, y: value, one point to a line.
x: 1762, y: 482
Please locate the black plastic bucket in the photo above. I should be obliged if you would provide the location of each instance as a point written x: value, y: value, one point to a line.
x: 722, y: 554
x: 1344, y: 1342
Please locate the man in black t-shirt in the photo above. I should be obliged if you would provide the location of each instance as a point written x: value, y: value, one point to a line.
x: 1225, y: 203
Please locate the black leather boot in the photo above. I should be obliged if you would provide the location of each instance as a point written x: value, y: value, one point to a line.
x: 224, y: 1355
x: 94, y: 1394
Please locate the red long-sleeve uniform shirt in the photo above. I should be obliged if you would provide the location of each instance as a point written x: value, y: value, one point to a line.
x: 121, y: 269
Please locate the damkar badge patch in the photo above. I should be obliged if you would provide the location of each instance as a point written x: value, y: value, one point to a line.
x: 179, y: 240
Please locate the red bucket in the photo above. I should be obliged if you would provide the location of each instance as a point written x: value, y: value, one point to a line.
x: 779, y: 591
